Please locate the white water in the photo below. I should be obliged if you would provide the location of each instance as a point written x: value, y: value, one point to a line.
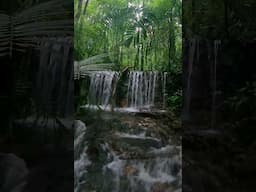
x: 217, y: 44
x: 81, y: 159
x: 121, y: 109
x: 188, y: 90
x: 141, y: 136
x: 102, y: 84
x: 142, y: 88
x: 164, y: 80
x: 161, y: 167
x: 145, y: 174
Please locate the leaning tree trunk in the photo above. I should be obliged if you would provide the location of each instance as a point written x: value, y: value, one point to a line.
x: 85, y: 7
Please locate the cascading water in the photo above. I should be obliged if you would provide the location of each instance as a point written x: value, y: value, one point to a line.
x: 164, y: 80
x: 159, y: 172
x: 101, y: 87
x: 81, y: 159
x: 192, y: 49
x: 214, y: 83
x: 142, y: 88
x: 156, y: 169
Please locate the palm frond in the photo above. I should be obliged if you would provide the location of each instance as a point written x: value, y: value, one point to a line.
x: 97, y: 67
x: 94, y: 59
x: 88, y: 66
x: 22, y: 30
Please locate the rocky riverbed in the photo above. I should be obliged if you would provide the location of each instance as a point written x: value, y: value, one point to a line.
x: 134, y: 152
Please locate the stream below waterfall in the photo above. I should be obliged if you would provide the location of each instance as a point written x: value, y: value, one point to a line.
x: 136, y: 154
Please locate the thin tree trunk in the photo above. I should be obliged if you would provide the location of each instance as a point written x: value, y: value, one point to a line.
x: 142, y: 57
x: 80, y: 3
x: 170, y: 44
x: 85, y: 7
x: 172, y: 49
x: 146, y: 55
x: 226, y: 18
x: 138, y: 51
x: 193, y: 15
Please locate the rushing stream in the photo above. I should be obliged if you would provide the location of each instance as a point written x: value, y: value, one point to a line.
x: 127, y: 160
x: 145, y: 166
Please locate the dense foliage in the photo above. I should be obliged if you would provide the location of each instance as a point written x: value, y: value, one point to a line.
x: 141, y: 35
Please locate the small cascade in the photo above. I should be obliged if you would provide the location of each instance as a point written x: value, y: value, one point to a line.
x: 192, y: 50
x: 102, y: 84
x: 142, y: 88
x: 142, y: 166
x: 164, y: 80
x: 160, y: 171
x: 81, y: 159
x: 214, y: 83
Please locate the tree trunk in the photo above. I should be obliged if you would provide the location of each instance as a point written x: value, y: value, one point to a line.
x: 85, y: 7
x: 80, y: 4
x: 226, y: 18
x: 142, y: 58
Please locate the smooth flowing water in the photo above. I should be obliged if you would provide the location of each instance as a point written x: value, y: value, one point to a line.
x: 142, y: 88
x: 192, y: 50
x: 102, y: 84
x: 164, y: 81
x: 217, y: 44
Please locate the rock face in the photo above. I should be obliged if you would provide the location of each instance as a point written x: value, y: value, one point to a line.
x: 13, y: 173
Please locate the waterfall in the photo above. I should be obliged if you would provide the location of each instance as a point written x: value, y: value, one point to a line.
x: 101, y: 87
x: 53, y: 83
x: 164, y: 80
x: 192, y: 49
x: 214, y: 83
x: 142, y: 88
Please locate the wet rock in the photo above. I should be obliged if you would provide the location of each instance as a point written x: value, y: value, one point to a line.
x: 162, y: 187
x: 144, y: 143
x: 130, y: 170
x: 13, y: 173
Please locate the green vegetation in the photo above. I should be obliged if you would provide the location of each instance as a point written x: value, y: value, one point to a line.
x: 143, y: 35
x: 135, y: 35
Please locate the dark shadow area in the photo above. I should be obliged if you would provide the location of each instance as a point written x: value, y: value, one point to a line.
x: 219, y: 95
x: 36, y: 96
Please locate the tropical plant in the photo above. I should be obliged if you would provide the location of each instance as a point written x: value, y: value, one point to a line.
x: 143, y: 35
x: 95, y: 63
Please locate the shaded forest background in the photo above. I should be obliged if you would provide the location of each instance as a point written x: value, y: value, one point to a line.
x: 219, y: 128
